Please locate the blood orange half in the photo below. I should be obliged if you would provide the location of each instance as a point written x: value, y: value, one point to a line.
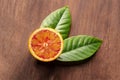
x: 45, y: 44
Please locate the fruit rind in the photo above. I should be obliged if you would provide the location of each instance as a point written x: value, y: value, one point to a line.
x: 33, y: 53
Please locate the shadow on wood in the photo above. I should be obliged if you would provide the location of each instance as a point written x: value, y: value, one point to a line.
x: 59, y: 63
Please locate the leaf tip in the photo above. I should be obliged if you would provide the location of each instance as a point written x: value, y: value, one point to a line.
x: 66, y: 6
x: 100, y: 40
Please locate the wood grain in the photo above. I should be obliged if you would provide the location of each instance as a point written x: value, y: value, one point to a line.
x: 18, y: 18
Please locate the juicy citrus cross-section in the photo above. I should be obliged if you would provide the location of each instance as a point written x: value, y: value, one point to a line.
x: 45, y: 44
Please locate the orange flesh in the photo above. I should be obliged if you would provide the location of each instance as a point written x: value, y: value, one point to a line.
x: 46, y: 44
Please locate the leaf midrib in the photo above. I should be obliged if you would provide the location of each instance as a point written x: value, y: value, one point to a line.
x: 60, y: 17
x: 81, y: 47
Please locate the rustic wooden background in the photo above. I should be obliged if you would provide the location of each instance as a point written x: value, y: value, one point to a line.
x: 18, y: 18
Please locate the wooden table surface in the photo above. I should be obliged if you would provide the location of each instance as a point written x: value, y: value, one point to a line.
x: 18, y: 18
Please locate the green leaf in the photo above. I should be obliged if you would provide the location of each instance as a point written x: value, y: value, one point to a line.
x: 59, y: 20
x: 79, y: 48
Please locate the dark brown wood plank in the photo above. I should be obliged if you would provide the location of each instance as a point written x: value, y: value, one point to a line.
x: 18, y: 18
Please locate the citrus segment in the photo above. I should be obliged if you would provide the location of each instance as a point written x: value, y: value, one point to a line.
x: 45, y: 44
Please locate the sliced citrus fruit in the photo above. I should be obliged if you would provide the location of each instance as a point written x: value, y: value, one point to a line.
x: 45, y: 44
